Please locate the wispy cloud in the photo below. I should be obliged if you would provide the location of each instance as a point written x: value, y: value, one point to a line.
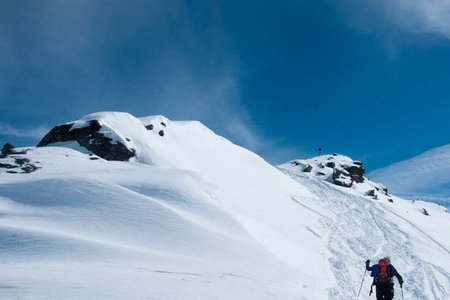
x: 37, y: 132
x: 274, y: 150
x: 422, y: 16
x: 215, y: 101
x: 150, y: 57
x: 243, y: 134
x: 396, y: 17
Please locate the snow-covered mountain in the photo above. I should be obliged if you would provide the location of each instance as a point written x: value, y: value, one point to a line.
x: 178, y: 212
x: 426, y: 176
x: 339, y: 170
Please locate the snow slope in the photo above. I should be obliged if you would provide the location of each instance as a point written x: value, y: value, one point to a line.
x: 359, y: 226
x: 194, y: 216
x: 81, y: 229
x: 378, y: 224
x: 425, y: 176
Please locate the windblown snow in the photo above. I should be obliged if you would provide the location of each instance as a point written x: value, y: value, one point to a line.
x: 193, y: 216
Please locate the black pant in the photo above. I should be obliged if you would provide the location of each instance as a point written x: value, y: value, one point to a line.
x: 385, y: 291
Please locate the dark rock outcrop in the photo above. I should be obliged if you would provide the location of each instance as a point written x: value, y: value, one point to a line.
x: 20, y: 163
x: 337, y: 169
x: 90, y: 138
x: 8, y: 166
x: 370, y: 193
x: 341, y: 178
x: 9, y: 149
x: 330, y: 164
x: 344, y: 174
x: 307, y: 169
x: 29, y: 168
x: 356, y: 172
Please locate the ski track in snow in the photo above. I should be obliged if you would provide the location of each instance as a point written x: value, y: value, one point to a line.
x: 353, y: 248
x: 431, y: 239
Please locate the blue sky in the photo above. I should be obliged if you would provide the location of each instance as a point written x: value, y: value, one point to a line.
x: 369, y: 79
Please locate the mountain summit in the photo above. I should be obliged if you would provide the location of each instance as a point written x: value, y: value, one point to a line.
x: 120, y: 207
x: 340, y: 170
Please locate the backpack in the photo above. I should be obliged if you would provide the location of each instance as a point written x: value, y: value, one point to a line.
x: 384, y: 274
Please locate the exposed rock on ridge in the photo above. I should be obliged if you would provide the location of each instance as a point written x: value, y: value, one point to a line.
x: 90, y: 138
x: 338, y: 169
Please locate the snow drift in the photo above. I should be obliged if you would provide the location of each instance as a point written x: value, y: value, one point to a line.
x: 192, y: 216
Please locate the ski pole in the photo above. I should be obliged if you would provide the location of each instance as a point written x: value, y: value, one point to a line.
x: 402, y: 291
x: 364, y: 276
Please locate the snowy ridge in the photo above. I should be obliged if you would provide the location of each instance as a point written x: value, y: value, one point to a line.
x: 193, y: 216
x: 425, y: 176
x: 340, y: 170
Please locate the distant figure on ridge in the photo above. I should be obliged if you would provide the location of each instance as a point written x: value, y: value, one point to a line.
x: 382, y: 274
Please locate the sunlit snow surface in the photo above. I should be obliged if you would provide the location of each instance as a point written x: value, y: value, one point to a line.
x: 426, y: 176
x: 196, y: 217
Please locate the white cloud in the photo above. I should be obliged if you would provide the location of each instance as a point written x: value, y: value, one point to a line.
x: 423, y: 16
x: 36, y: 132
x: 400, y: 16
